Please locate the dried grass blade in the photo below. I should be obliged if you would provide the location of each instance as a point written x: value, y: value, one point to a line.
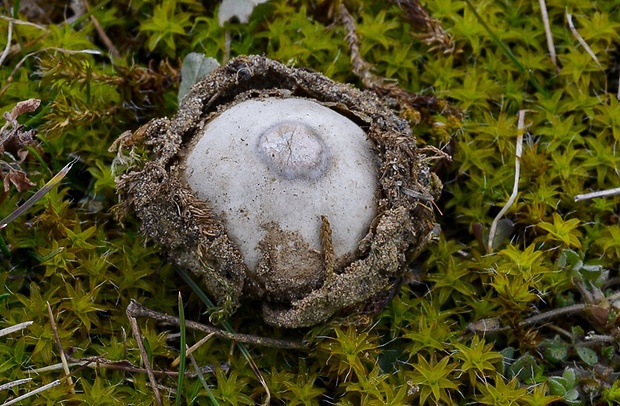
x: 580, y: 39
x: 193, y: 348
x: 39, y: 194
x: 8, y: 43
x: 601, y: 193
x: 145, y: 358
x: 183, y: 351
x: 32, y: 393
x: 515, y: 188
x: 550, y: 44
x: 15, y: 328
x: 63, y: 358
x: 9, y: 385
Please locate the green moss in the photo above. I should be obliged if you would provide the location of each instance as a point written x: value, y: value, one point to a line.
x: 441, y: 338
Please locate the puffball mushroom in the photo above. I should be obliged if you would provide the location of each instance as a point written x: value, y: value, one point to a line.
x: 280, y: 185
x: 271, y: 168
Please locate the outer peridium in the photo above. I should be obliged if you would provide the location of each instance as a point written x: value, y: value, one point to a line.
x: 196, y: 240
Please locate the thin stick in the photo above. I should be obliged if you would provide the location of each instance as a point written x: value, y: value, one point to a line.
x: 360, y: 67
x: 104, y: 37
x: 600, y: 193
x: 145, y: 358
x: 21, y: 22
x: 55, y: 367
x: 8, y: 43
x: 102, y: 34
x: 98, y: 362
x: 492, y: 325
x: 515, y: 188
x: 32, y: 393
x: 550, y: 44
x: 15, y: 328
x: 63, y: 359
x: 135, y: 309
x: 9, y: 385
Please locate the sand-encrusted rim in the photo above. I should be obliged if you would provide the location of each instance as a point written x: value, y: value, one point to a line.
x: 194, y: 239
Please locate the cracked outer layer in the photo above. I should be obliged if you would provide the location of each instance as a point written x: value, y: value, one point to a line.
x: 196, y: 236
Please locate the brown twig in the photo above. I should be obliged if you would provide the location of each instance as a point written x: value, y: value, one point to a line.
x: 492, y: 325
x: 360, y: 67
x: 145, y: 358
x: 63, y: 359
x: 408, y: 101
x: 126, y: 366
x: 431, y: 31
x: 102, y: 34
x: 135, y: 309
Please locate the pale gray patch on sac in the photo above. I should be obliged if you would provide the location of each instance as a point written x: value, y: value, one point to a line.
x: 294, y: 150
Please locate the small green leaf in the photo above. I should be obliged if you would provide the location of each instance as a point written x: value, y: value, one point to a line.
x: 557, y: 386
x: 577, y: 331
x: 565, y: 386
x: 503, y: 232
x: 569, y: 259
x: 195, y: 67
x: 587, y: 355
x: 572, y: 397
x: 570, y: 377
x: 524, y: 368
x: 555, y: 350
x: 608, y: 352
x: 508, y: 353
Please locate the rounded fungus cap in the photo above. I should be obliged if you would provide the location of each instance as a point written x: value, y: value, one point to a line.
x: 270, y: 168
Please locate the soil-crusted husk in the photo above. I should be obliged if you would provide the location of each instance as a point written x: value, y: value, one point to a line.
x: 195, y: 238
